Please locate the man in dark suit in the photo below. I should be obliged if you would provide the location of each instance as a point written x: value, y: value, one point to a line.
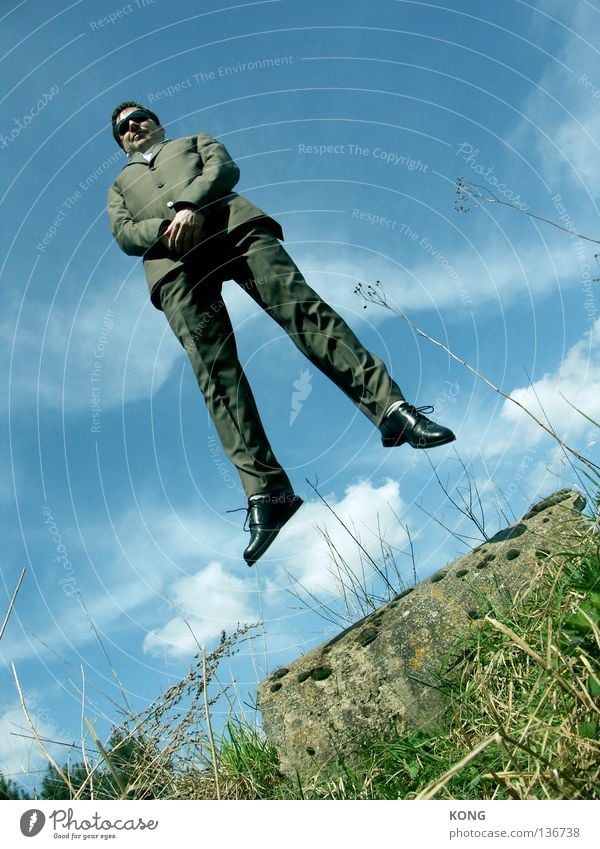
x: 173, y: 204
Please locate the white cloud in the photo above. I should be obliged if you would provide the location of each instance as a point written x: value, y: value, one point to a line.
x: 124, y: 566
x: 302, y: 557
x: 562, y: 116
x: 502, y: 275
x: 506, y: 450
x: 121, y: 349
x: 460, y: 279
x: 463, y: 279
x: 576, y: 382
x: 576, y: 141
x: 306, y: 555
x: 20, y: 755
x: 213, y: 598
x: 207, y: 602
x: 116, y: 352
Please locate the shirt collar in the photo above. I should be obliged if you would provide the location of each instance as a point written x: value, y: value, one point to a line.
x: 149, y: 154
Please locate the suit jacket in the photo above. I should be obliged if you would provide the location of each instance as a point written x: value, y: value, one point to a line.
x: 146, y: 194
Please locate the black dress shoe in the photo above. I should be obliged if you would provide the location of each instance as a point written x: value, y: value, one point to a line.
x: 408, y: 424
x: 267, y: 514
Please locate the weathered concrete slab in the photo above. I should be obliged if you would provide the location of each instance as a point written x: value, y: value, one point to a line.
x: 370, y: 679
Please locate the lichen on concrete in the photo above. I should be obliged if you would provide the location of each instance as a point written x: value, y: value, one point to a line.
x: 374, y: 678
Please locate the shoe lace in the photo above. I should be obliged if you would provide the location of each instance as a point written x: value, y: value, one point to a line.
x: 239, y: 510
x: 427, y: 409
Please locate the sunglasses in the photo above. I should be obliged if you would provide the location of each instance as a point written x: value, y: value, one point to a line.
x: 123, y: 124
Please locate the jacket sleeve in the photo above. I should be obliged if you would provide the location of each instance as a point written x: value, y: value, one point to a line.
x: 219, y: 174
x: 136, y: 238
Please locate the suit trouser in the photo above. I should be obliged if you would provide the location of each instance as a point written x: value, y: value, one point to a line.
x: 196, y: 312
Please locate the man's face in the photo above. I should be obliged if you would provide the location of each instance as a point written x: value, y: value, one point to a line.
x: 141, y: 133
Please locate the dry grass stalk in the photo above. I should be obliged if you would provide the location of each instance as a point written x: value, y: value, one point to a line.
x: 548, y: 667
x: 432, y: 789
x: 375, y: 294
x: 37, y: 737
x: 106, y: 759
x: 521, y: 684
x: 12, y: 603
x: 211, y: 738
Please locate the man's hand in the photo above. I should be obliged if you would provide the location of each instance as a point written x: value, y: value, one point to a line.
x: 184, y: 231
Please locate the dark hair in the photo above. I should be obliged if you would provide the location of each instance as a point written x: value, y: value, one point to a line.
x: 126, y: 105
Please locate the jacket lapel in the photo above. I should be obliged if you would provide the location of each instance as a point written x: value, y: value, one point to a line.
x: 140, y: 158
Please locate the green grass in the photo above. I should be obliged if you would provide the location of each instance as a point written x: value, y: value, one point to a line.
x: 523, y: 720
x: 523, y: 714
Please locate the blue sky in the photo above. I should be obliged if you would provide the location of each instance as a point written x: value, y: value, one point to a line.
x: 351, y: 123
